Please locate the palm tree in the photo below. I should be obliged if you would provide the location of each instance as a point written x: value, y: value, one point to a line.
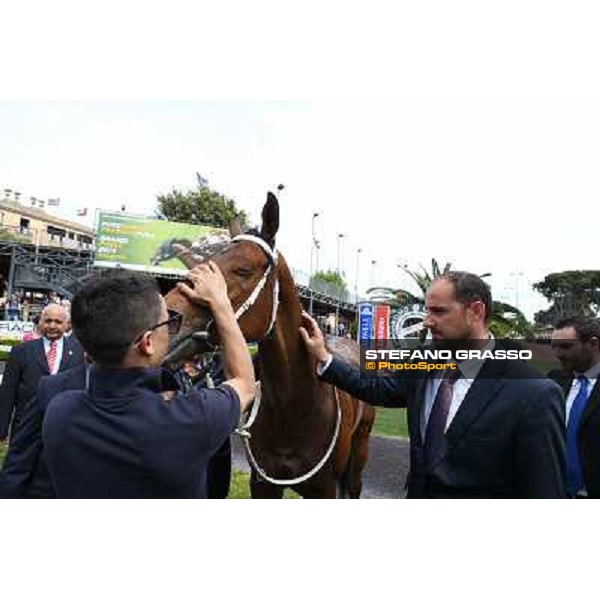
x: 505, y: 321
x: 424, y: 279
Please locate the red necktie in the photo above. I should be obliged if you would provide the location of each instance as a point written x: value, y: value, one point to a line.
x: 436, y: 426
x: 51, y: 356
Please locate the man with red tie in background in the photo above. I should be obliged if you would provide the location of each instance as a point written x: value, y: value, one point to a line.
x: 30, y: 361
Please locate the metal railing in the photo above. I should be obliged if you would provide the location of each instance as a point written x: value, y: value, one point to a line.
x: 28, y: 235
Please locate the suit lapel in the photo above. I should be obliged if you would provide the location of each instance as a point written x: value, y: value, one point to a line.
x: 565, y: 383
x: 40, y: 355
x: 67, y: 354
x: 482, y: 391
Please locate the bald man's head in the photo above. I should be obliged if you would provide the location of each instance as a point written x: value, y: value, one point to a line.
x: 54, y: 321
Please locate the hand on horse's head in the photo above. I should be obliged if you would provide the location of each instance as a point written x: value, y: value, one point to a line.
x: 313, y: 338
x: 208, y: 286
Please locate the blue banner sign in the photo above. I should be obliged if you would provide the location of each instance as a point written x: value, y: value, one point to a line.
x: 365, y: 322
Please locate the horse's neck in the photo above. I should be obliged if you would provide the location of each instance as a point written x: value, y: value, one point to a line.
x: 286, y: 370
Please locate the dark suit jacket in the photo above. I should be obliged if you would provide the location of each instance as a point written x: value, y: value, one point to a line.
x: 25, y: 473
x: 507, y: 439
x: 26, y: 365
x: 588, y: 434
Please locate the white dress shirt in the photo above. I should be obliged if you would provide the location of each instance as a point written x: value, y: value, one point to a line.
x: 60, y: 344
x: 469, y: 370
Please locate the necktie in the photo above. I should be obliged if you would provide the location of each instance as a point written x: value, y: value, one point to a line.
x: 51, y: 356
x: 434, y: 433
x: 574, y: 474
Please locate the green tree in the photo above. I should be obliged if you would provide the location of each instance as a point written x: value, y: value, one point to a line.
x: 330, y: 283
x: 570, y: 293
x: 199, y: 206
x: 329, y: 277
x: 509, y: 322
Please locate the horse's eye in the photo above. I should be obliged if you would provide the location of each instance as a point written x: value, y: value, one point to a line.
x: 243, y: 272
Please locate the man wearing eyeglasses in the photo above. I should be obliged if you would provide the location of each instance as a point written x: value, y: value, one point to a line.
x: 131, y: 434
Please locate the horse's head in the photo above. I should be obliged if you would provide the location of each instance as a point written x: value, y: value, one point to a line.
x: 249, y: 265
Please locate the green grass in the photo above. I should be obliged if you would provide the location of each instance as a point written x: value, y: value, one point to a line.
x: 390, y: 422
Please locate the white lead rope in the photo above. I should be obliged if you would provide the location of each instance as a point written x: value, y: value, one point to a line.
x: 246, y: 436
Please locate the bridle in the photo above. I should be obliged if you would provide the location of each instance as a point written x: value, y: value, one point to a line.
x: 201, y: 337
x: 250, y: 301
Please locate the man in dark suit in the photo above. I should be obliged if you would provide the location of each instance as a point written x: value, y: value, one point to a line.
x: 25, y: 473
x: 488, y: 429
x: 30, y: 361
x: 576, y: 342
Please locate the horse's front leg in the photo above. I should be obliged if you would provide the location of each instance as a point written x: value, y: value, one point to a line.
x: 259, y: 488
x: 323, y: 487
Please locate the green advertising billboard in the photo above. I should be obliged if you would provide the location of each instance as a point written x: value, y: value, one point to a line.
x: 152, y: 245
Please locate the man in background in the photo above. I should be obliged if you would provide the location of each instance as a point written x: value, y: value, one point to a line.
x: 28, y: 362
x: 576, y: 342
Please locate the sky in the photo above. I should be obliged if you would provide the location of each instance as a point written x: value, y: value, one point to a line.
x: 475, y: 143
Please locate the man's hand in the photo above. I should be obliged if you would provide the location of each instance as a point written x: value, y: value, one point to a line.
x: 209, y: 286
x: 313, y: 338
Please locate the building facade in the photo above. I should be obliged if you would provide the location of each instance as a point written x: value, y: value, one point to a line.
x: 28, y: 225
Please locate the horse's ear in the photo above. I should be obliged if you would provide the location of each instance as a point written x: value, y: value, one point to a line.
x: 270, y: 218
x: 235, y: 227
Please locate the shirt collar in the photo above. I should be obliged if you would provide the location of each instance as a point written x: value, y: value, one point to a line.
x: 470, y: 368
x: 118, y: 383
x: 591, y: 374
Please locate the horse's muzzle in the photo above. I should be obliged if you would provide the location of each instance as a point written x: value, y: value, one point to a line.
x: 181, y: 349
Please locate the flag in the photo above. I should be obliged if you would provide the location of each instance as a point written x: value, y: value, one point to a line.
x: 41, y: 203
x: 53, y: 201
x: 81, y: 212
x: 201, y: 181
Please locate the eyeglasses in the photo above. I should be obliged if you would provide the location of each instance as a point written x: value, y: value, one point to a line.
x: 173, y: 323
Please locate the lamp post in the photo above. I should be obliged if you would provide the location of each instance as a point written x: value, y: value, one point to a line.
x: 314, y: 245
x: 340, y: 237
x: 357, y: 317
x: 356, y: 278
x: 339, y: 240
x: 373, y: 263
x: 516, y: 275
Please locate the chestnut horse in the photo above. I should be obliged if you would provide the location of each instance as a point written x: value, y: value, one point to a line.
x: 305, y: 434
